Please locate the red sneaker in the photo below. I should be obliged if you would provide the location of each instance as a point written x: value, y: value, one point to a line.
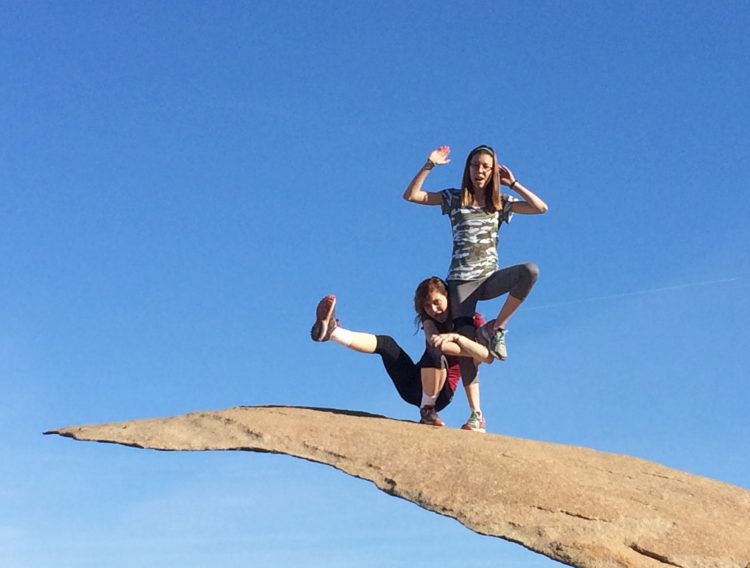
x: 428, y: 415
x: 325, y: 319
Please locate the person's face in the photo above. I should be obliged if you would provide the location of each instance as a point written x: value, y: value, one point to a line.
x: 480, y: 169
x: 436, y: 306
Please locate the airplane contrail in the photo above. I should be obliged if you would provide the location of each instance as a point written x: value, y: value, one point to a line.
x: 636, y: 293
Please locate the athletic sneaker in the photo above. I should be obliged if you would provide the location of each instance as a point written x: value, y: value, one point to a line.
x: 497, y: 344
x: 484, y: 332
x: 475, y: 422
x: 428, y: 415
x: 488, y: 337
x: 325, y: 319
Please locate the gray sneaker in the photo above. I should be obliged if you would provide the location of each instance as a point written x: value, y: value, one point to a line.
x: 497, y: 344
x: 475, y: 423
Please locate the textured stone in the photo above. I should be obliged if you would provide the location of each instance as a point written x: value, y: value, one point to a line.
x: 576, y: 505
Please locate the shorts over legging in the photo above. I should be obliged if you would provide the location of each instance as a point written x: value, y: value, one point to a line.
x: 405, y: 374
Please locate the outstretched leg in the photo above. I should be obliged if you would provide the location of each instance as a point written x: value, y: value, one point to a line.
x: 422, y: 385
x: 356, y: 340
x: 327, y: 327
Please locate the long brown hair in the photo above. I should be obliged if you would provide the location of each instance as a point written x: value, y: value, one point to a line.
x: 431, y: 284
x: 492, y: 197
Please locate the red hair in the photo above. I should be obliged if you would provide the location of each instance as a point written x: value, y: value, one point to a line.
x: 425, y: 287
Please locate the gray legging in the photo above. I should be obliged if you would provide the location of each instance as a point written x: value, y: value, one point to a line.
x: 515, y: 280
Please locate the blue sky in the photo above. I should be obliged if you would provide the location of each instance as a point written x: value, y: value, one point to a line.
x: 182, y: 182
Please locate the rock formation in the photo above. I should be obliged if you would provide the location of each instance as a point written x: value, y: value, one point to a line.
x: 576, y: 505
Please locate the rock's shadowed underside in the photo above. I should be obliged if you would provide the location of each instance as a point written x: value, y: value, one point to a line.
x: 576, y: 505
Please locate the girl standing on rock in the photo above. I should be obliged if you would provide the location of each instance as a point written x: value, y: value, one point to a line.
x: 430, y: 383
x: 477, y: 210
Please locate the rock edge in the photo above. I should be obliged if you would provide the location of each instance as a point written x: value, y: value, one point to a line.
x: 576, y: 505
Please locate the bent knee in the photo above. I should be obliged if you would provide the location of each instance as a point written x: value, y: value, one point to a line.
x: 527, y: 274
x: 531, y: 270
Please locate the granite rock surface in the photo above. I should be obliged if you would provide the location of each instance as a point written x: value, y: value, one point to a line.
x: 578, y: 506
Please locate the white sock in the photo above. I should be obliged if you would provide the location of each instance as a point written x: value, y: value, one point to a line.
x: 428, y: 400
x: 342, y: 336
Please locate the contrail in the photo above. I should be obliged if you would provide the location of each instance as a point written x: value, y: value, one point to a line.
x: 636, y: 293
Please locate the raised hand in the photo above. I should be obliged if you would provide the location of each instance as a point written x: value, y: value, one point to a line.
x: 506, y: 176
x: 440, y: 156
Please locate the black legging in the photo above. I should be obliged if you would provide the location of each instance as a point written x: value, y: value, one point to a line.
x: 405, y: 374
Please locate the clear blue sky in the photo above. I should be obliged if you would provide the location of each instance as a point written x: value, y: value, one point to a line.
x: 181, y: 182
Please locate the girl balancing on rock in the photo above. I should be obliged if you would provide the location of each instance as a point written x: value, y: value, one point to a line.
x: 477, y: 210
x: 431, y: 382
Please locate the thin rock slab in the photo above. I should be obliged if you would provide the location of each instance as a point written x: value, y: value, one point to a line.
x: 575, y: 505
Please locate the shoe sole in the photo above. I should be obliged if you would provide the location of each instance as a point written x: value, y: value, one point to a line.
x: 323, y: 314
x: 498, y: 356
x: 482, y: 430
x: 436, y: 424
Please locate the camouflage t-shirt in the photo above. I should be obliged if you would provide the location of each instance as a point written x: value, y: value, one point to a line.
x: 475, y: 232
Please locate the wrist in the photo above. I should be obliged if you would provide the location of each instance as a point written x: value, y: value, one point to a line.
x: 429, y: 164
x: 513, y: 184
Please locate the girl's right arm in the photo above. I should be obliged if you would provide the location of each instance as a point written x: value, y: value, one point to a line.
x: 457, y: 344
x: 414, y: 192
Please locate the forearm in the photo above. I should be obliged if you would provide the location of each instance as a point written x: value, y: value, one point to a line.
x: 414, y: 190
x: 533, y: 201
x: 473, y: 349
x: 464, y: 347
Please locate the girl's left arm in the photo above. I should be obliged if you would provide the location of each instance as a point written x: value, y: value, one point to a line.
x: 531, y: 203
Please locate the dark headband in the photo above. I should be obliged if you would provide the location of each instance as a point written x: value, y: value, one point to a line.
x: 482, y: 148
